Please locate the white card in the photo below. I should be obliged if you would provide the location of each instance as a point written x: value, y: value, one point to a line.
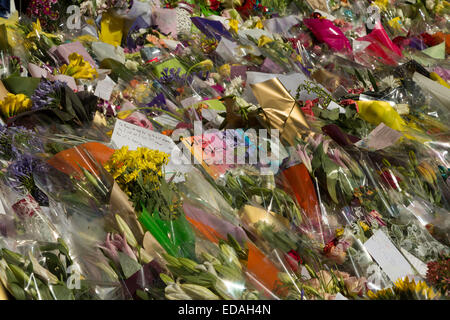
x: 416, y: 263
x: 381, y: 137
x: 387, y: 256
x: 333, y: 105
x: 339, y: 296
x: 104, y: 88
x: 127, y: 134
x: 167, y: 120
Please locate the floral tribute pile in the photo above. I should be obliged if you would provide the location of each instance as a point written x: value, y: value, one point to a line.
x: 225, y: 149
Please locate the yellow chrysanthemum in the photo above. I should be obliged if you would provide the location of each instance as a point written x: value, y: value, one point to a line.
x: 234, y: 25
x: 13, y: 104
x: 126, y: 166
x: 78, y: 68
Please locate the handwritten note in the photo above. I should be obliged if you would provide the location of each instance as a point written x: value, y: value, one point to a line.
x: 381, y: 137
x: 387, y: 256
x: 104, y: 88
x: 127, y: 134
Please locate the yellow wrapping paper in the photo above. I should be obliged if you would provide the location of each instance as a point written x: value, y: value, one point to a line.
x: 10, y: 24
x: 281, y: 111
x: 250, y: 215
x: 3, y: 294
x: 111, y: 29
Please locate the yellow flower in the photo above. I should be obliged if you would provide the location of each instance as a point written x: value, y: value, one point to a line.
x: 259, y: 25
x: 78, y: 68
x: 124, y: 114
x: 13, y: 104
x: 364, y: 226
x: 225, y: 70
x: 234, y: 24
x: 263, y: 40
x: 299, y: 58
x: 205, y: 64
x: 434, y: 76
x: 86, y: 38
x: 404, y: 289
x: 382, y: 4
x: 37, y: 31
x: 339, y: 232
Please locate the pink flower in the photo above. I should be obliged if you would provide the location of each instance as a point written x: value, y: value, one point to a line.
x: 140, y: 120
x: 114, y: 244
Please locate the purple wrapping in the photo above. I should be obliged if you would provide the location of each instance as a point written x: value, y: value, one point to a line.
x: 158, y: 101
x: 340, y: 137
x: 417, y: 43
x: 139, y: 23
x: 211, y: 28
x: 269, y: 66
x: 220, y: 225
x: 147, y: 277
x: 236, y: 71
x: 325, y: 31
x: 63, y: 52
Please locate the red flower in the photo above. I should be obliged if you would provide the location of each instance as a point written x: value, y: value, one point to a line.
x: 329, y: 246
x: 213, y: 4
x: 307, y: 107
x: 293, y: 259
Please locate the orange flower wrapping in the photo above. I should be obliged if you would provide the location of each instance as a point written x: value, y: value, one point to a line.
x: 68, y: 160
x: 258, y: 265
x: 299, y: 181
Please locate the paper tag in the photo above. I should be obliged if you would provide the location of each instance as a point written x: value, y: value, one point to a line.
x: 416, y: 263
x: 127, y: 134
x: 381, y: 137
x: 2, y: 208
x: 167, y: 120
x: 387, y: 256
x: 333, y: 105
x: 190, y: 101
x: 305, y: 273
x: 104, y: 88
x: 339, y: 296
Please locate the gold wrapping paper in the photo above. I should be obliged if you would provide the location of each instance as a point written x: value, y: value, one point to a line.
x: 281, y: 111
x: 3, y: 293
x: 251, y: 215
x: 327, y: 79
x: 318, y: 5
x: 3, y: 91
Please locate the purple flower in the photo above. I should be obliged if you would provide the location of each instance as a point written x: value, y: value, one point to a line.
x: 46, y: 94
x: 21, y: 174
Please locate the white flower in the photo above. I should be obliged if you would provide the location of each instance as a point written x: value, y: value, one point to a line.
x: 131, y: 65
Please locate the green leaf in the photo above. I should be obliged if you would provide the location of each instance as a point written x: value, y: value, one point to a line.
x: 372, y: 81
x: 25, y: 85
x: 61, y: 292
x: 17, y: 291
x: 331, y: 186
x: 129, y: 266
